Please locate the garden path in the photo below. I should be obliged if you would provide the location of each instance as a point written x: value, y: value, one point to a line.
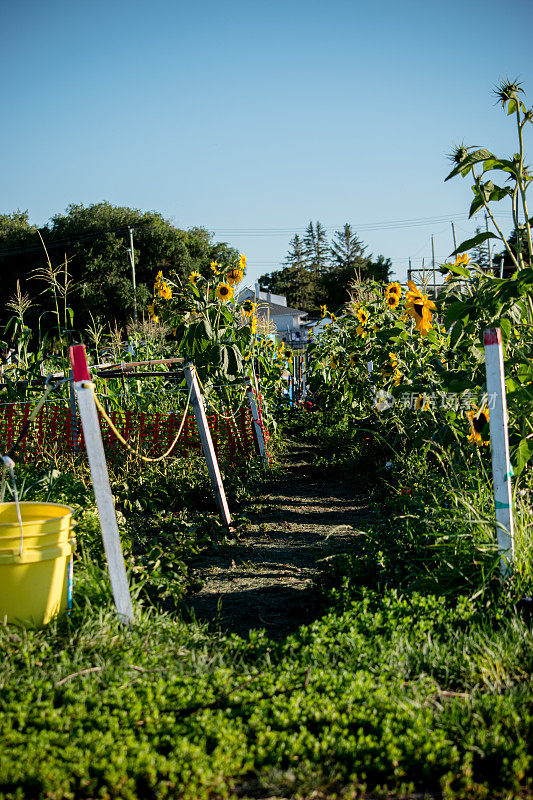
x: 266, y: 577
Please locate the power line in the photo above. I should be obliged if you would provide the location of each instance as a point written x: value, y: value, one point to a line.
x: 89, y: 234
x: 359, y: 227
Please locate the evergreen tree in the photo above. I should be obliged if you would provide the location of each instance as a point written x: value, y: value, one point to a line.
x: 379, y: 269
x: 347, y: 249
x: 317, y: 250
x: 296, y: 272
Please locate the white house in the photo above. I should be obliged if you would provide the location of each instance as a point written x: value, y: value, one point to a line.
x: 273, y: 307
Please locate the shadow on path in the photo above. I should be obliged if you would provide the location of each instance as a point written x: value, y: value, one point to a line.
x: 266, y: 579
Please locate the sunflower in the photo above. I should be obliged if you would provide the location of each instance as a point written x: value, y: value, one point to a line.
x: 462, y: 260
x: 391, y: 365
x: 215, y: 267
x: 253, y: 326
x: 392, y: 300
x: 394, y: 288
x: 248, y: 307
x: 362, y: 315
x: 234, y: 276
x: 164, y: 290
x: 323, y: 311
x: 361, y: 331
x: 224, y: 292
x: 478, y: 420
x: 242, y: 262
x: 151, y: 311
x: 397, y: 377
x: 193, y: 277
x: 419, y: 403
x: 419, y: 307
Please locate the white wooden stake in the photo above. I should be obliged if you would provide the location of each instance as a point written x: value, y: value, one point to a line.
x: 255, y: 421
x: 102, y: 488
x: 207, y: 443
x: 499, y: 445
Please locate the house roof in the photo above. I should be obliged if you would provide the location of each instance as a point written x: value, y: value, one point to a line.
x: 279, y: 311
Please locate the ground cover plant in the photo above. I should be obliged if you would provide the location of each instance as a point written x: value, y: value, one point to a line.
x: 415, y: 680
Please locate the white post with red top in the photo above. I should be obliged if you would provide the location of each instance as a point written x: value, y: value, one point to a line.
x: 207, y: 443
x: 499, y: 444
x: 100, y: 479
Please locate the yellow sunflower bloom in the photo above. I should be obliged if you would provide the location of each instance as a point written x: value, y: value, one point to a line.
x: 224, y: 292
x: 151, y: 311
x: 419, y: 307
x: 248, y: 307
x: 360, y: 330
x: 234, y: 276
x: 419, y: 403
x: 390, y: 366
x: 394, y: 288
x: 164, y: 290
x: 478, y: 419
x: 362, y: 315
x: 242, y: 262
x: 215, y: 267
x: 193, y: 277
x: 253, y: 326
x: 397, y: 377
x: 462, y: 260
x: 323, y: 311
x: 392, y: 300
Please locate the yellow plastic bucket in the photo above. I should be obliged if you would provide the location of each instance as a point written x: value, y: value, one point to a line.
x: 35, y: 567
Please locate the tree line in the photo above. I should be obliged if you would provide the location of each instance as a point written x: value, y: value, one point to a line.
x: 318, y: 272
x: 94, y: 242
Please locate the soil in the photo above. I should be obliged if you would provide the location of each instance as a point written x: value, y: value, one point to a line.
x: 265, y: 578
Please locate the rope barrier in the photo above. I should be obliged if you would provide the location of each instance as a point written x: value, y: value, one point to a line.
x: 123, y: 441
x: 57, y: 433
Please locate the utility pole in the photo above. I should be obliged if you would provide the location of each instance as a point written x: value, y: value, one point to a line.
x: 131, y: 251
x: 454, y: 239
x: 488, y: 242
x: 434, y: 271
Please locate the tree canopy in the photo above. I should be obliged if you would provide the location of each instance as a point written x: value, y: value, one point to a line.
x: 94, y: 240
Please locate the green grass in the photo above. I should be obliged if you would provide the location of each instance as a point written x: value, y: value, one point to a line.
x: 403, y: 693
x: 416, y: 679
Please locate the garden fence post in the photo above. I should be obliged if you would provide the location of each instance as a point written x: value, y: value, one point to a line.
x: 499, y: 445
x: 75, y: 433
x: 207, y: 442
x: 256, y: 423
x: 100, y: 479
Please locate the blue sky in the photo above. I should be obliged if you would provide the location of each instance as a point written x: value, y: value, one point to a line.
x: 253, y: 118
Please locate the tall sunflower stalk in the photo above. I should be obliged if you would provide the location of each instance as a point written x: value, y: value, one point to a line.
x: 475, y: 163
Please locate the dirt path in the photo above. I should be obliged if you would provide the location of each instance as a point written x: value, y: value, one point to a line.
x: 265, y: 578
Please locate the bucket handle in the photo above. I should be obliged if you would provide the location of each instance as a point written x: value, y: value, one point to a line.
x: 9, y: 466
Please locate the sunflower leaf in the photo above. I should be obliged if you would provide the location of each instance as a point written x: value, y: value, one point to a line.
x: 456, y: 334
x: 523, y: 454
x: 505, y: 326
x: 456, y: 311
x: 467, y: 163
x: 468, y: 244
